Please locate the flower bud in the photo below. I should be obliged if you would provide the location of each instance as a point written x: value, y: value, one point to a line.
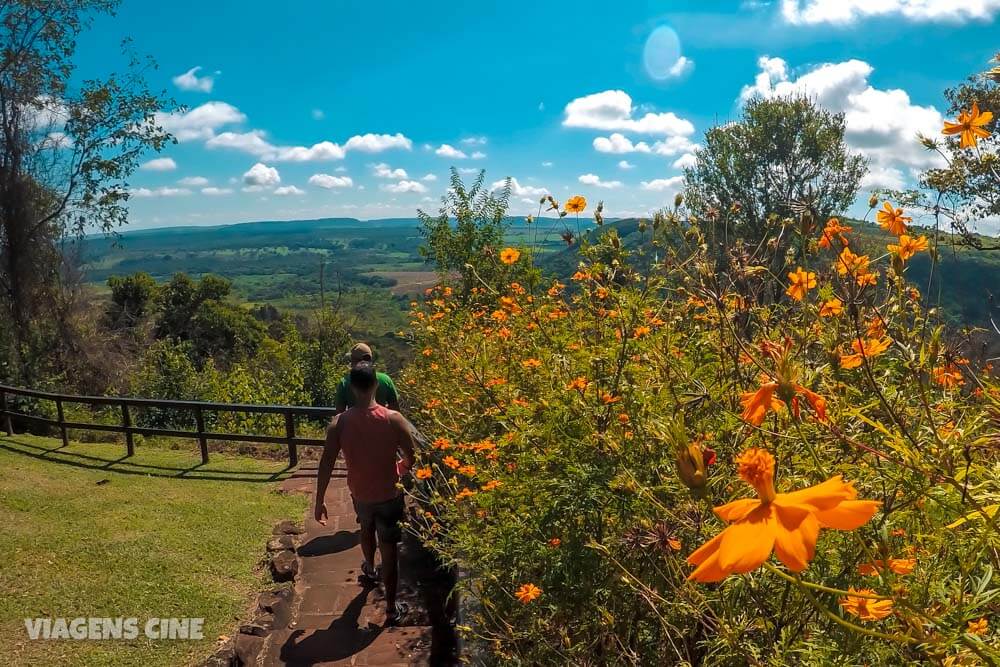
x: 678, y: 200
x: 691, y: 468
x: 873, y: 201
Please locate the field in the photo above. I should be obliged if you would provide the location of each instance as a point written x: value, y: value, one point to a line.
x: 158, y: 535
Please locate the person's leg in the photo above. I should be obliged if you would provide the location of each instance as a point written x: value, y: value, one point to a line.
x: 366, y: 521
x: 390, y: 573
x: 387, y: 520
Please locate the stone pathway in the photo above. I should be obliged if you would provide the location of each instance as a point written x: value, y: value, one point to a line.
x: 332, y: 619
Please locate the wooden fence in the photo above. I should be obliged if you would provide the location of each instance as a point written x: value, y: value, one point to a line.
x: 197, y: 408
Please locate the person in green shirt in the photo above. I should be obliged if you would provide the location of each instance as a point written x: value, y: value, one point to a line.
x: 385, y: 394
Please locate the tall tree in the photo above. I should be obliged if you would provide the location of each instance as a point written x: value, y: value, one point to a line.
x: 468, y: 231
x: 66, y: 153
x: 784, y: 158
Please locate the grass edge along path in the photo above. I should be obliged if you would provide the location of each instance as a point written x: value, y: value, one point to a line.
x: 88, y: 533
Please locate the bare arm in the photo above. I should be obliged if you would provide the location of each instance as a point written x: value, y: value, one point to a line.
x: 331, y: 450
x: 405, y: 440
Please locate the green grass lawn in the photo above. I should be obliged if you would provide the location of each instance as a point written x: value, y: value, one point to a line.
x: 86, y: 533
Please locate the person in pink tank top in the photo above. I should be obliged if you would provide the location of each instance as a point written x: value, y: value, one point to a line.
x: 372, y: 438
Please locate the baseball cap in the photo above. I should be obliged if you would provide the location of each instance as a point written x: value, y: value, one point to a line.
x: 360, y: 352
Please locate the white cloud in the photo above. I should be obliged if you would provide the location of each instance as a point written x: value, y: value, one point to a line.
x: 519, y: 190
x: 324, y: 150
x: 612, y: 110
x: 625, y: 164
x: 595, y: 180
x: 848, y: 11
x: 57, y: 140
x: 619, y: 143
x: 341, y: 169
x: 683, y: 66
x: 200, y: 122
x: 194, y: 181
x: 261, y: 176
x: 660, y: 184
x: 159, y: 192
x: 252, y: 142
x: 468, y: 170
x: 215, y: 192
x: 160, y: 164
x: 883, y: 178
x: 382, y: 170
x: 404, y: 186
x: 446, y: 150
x: 478, y: 155
x: 474, y: 141
x: 286, y: 190
x: 190, y: 80
x: 429, y: 178
x: 684, y: 161
x: 255, y: 143
x: 318, y: 114
x: 376, y: 143
x: 330, y: 182
x: 881, y: 124
x: 546, y: 164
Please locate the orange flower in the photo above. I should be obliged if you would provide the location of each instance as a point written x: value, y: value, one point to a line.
x: 801, y: 282
x: 892, y: 219
x: 948, y: 376
x: 980, y: 627
x: 833, y: 230
x: 441, y: 443
x: 831, y: 308
x: 908, y: 246
x: 509, y: 255
x: 492, y: 484
x: 969, y: 125
x: 756, y: 404
x: 601, y: 292
x: 555, y: 542
x: 464, y: 493
x: 452, y: 462
x: 640, y: 331
x: 527, y: 593
x: 849, y: 263
x: 865, y: 608
x: 580, y: 384
x: 581, y: 275
x: 576, y: 204
x: 622, y: 418
x: 871, y: 347
x: 897, y: 565
x: 423, y: 473
x: 531, y: 363
x: 785, y: 523
x: 468, y: 470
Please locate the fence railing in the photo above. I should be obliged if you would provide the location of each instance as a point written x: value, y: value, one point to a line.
x: 198, y: 409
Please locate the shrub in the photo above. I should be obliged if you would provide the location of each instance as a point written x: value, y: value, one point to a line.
x: 582, y: 435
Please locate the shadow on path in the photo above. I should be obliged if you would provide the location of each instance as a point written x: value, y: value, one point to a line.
x: 331, y: 544
x: 342, y: 639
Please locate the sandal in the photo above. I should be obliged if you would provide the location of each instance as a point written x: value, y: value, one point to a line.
x: 370, y: 574
x: 393, y: 617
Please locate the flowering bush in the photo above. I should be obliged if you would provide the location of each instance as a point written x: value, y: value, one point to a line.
x: 614, y: 460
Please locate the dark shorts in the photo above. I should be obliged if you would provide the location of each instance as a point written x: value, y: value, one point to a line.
x: 383, y: 516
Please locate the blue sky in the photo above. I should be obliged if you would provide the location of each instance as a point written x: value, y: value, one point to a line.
x: 358, y: 109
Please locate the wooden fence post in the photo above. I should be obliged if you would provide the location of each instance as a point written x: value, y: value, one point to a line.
x: 6, y: 415
x: 293, y: 454
x: 62, y: 422
x: 199, y: 418
x: 127, y: 423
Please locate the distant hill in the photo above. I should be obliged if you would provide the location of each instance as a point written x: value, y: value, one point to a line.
x: 966, y: 282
